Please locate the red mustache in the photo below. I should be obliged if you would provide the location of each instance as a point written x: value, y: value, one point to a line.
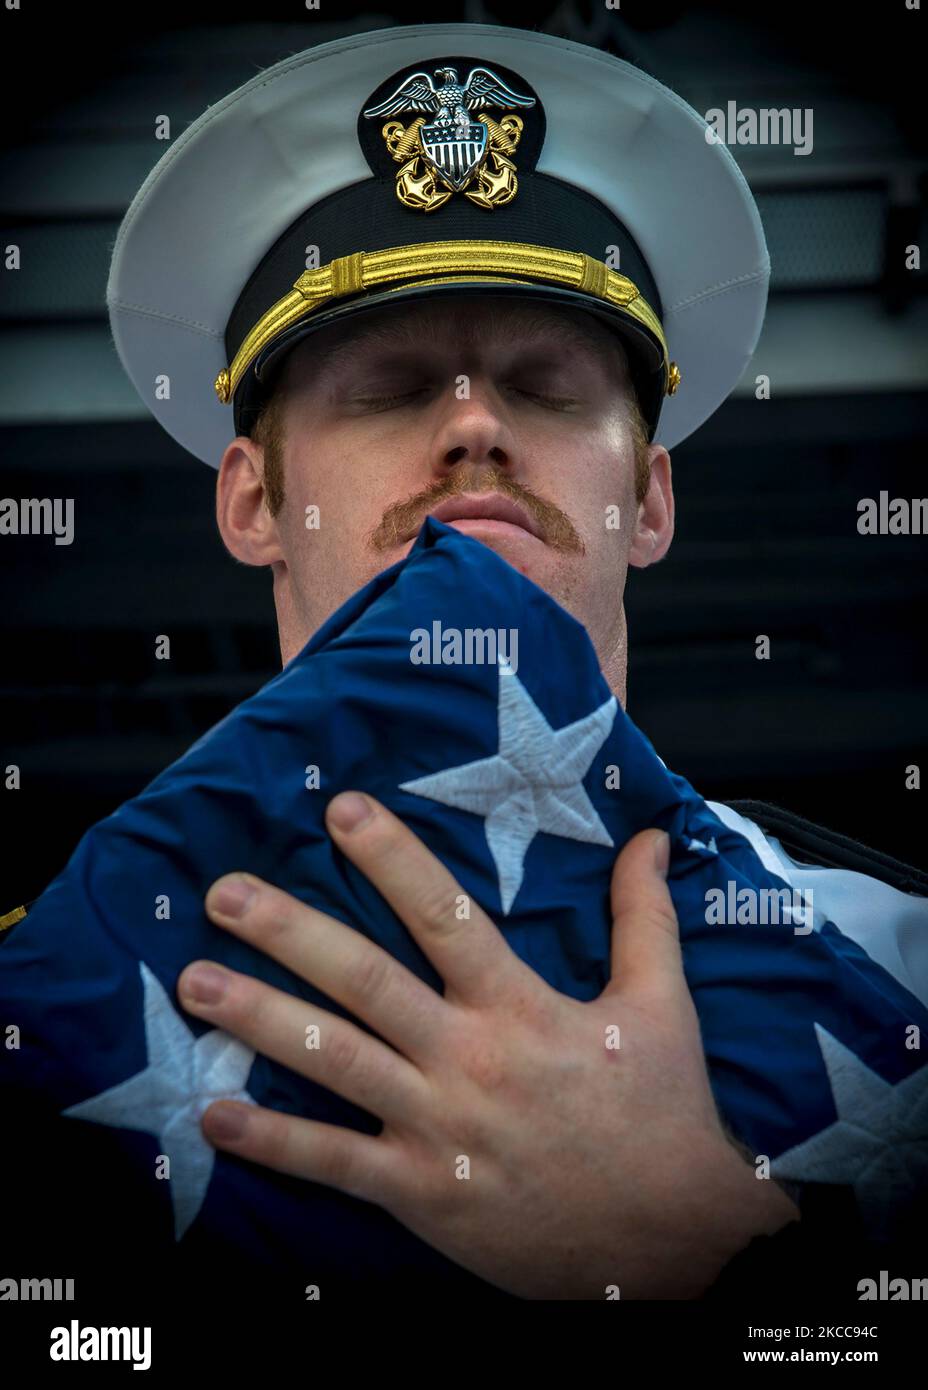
x: 404, y: 519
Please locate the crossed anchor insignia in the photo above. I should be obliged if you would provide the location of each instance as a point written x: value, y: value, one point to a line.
x: 453, y: 153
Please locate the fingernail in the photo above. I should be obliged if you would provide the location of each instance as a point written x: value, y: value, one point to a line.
x: 226, y: 1121
x: 204, y: 984
x: 231, y: 896
x: 348, y: 810
x: 662, y: 852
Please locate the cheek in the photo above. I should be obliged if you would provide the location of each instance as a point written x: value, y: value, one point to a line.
x: 320, y: 479
x: 594, y: 484
x: 347, y: 491
x: 603, y: 507
x: 311, y: 517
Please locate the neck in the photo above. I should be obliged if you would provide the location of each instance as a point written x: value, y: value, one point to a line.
x: 293, y: 637
x: 614, y: 659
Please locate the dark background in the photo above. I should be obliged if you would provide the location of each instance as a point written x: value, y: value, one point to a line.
x: 767, y: 492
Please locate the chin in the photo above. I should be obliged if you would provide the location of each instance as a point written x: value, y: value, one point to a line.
x: 549, y: 569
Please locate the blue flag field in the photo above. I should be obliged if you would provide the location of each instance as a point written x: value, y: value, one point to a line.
x: 471, y: 704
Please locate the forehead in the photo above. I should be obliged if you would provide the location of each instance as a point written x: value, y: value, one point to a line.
x: 467, y: 324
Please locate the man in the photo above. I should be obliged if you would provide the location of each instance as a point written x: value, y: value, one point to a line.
x: 548, y: 432
x: 475, y: 313
x: 366, y: 421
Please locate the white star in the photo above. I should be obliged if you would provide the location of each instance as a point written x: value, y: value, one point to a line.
x: 183, y: 1077
x: 710, y: 848
x: 534, y: 783
x: 878, y: 1144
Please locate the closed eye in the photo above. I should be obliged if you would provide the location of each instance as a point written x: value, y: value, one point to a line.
x: 555, y: 402
x: 385, y: 402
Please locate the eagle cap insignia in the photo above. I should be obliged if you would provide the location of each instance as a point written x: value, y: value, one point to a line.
x: 455, y: 146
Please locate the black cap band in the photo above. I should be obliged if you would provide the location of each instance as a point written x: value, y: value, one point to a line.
x: 547, y: 211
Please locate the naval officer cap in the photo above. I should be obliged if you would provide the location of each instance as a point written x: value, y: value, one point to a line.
x: 435, y: 160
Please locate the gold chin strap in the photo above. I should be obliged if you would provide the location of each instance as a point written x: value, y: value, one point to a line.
x: 443, y: 262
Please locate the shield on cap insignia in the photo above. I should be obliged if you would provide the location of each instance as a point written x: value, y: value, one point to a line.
x: 452, y: 143
x: 454, y: 151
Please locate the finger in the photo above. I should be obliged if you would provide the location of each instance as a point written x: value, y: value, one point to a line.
x: 358, y: 1164
x: 340, y: 1056
x: 463, y: 944
x: 646, y: 955
x: 341, y: 962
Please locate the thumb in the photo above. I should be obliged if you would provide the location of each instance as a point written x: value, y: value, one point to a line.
x: 646, y: 954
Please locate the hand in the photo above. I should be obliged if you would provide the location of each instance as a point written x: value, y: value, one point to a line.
x: 590, y: 1165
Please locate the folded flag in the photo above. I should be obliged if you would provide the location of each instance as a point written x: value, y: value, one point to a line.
x: 464, y: 698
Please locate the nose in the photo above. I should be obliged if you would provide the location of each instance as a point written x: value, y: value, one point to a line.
x: 474, y: 429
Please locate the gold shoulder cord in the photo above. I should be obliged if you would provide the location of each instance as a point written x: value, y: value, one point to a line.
x: 10, y: 919
x: 444, y: 262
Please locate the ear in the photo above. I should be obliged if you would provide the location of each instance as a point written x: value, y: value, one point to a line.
x: 248, y: 530
x: 654, y: 527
